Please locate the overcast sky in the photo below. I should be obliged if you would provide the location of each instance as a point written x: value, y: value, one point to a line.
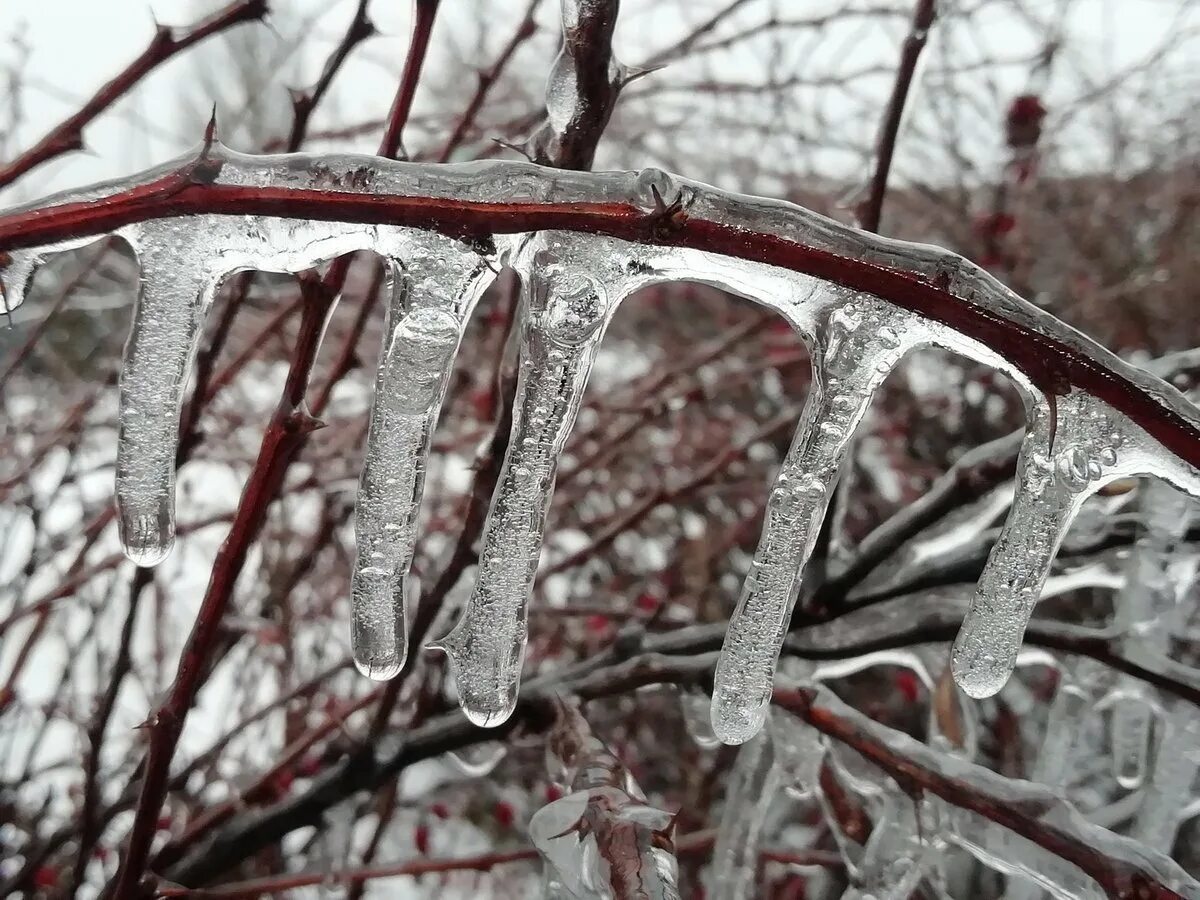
x: 62, y: 49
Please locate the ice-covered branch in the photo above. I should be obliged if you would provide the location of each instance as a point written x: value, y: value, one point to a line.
x: 860, y: 302
x: 1120, y: 866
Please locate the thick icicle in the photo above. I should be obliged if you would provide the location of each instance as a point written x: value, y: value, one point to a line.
x: 1059, y: 467
x: 566, y: 308
x: 1143, y: 607
x: 175, y: 291
x: 857, y: 344
x: 435, y: 286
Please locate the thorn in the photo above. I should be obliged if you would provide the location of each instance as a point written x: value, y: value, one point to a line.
x: 210, y: 132
x: 523, y: 150
x: 299, y: 97
x: 626, y: 75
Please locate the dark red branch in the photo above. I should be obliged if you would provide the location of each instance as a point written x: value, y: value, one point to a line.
x: 304, y: 102
x: 871, y: 209
x: 402, y: 103
x: 166, y: 43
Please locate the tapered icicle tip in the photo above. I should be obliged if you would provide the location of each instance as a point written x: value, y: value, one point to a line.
x: 379, y: 643
x: 487, y: 683
x: 984, y: 655
x: 147, y: 536
x: 736, y: 715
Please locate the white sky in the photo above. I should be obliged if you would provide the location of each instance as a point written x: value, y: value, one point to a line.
x: 74, y: 45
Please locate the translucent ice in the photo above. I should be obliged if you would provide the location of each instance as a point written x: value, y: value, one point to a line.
x: 1059, y: 467
x: 858, y: 341
x: 753, y: 785
x: 566, y: 308
x: 434, y: 289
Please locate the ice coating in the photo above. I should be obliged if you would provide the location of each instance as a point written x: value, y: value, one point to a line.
x: 1173, y: 781
x: 1143, y: 606
x: 435, y: 287
x: 416, y: 198
x: 1002, y: 848
x: 565, y: 308
x: 857, y: 342
x: 753, y: 785
x: 603, y: 839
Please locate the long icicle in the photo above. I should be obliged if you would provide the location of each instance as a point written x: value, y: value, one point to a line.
x: 1059, y: 467
x: 857, y: 345
x: 434, y: 289
x: 175, y: 290
x: 566, y: 309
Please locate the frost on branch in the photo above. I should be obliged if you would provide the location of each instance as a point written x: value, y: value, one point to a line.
x: 1091, y: 417
x: 601, y: 840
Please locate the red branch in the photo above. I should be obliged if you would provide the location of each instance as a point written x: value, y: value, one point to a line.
x: 1048, y: 361
x: 167, y: 42
x: 871, y: 209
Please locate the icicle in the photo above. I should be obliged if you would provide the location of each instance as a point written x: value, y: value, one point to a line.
x: 1173, y: 782
x: 1142, y: 607
x: 566, y: 308
x: 857, y: 345
x: 753, y: 785
x: 905, y: 845
x: 176, y: 289
x: 435, y: 288
x: 694, y: 704
x: 1056, y: 472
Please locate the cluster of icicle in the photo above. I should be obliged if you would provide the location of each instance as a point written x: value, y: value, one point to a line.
x: 572, y: 286
x: 910, y: 835
x: 602, y: 839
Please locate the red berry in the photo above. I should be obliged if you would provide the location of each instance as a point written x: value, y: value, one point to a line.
x: 163, y: 823
x: 441, y: 810
x: 45, y: 877
x: 553, y: 792
x: 421, y: 839
x: 647, y: 603
x: 504, y: 813
x: 597, y: 624
x: 907, y: 684
x: 309, y: 766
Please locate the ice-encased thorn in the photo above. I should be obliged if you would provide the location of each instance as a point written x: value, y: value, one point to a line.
x: 656, y: 190
x: 858, y: 345
x: 1051, y: 486
x: 174, y: 294
x: 414, y: 369
x: 566, y: 310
